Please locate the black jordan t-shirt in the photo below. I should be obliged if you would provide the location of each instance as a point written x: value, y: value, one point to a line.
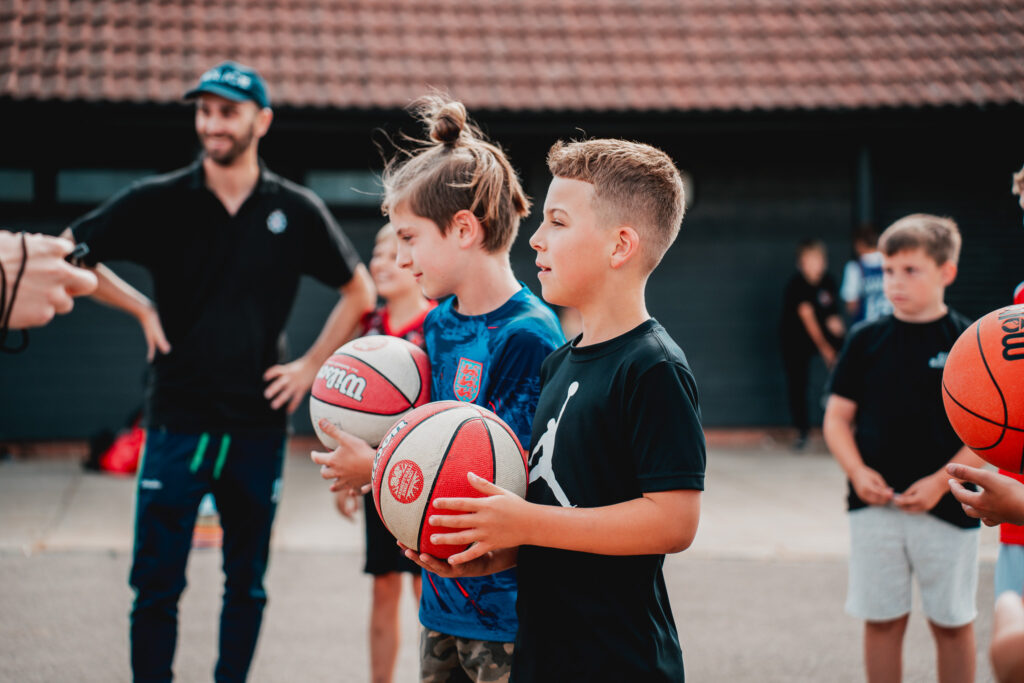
x: 614, y: 420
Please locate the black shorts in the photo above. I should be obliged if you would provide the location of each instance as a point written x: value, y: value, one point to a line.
x: 383, y: 556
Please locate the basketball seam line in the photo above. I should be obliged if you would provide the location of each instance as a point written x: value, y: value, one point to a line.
x: 384, y: 464
x: 981, y: 352
x: 385, y: 377
x: 437, y: 472
x: 983, y: 419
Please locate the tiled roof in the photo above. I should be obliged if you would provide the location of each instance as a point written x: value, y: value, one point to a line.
x: 636, y: 55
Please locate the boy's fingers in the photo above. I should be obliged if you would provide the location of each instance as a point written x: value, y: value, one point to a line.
x: 964, y: 495
x: 468, y: 555
x: 452, y: 521
x: 972, y: 474
x: 482, y: 485
x: 460, y: 504
x: 456, y: 538
x: 330, y: 429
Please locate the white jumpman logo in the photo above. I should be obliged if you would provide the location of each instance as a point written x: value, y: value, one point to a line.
x: 542, y: 468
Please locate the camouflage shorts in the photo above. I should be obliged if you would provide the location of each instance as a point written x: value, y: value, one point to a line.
x: 447, y: 659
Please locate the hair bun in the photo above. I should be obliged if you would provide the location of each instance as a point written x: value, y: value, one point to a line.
x: 447, y: 122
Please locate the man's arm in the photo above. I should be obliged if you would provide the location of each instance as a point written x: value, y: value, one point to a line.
x: 657, y: 523
x: 290, y: 382
x: 115, y: 292
x: 48, y: 283
x: 838, y: 430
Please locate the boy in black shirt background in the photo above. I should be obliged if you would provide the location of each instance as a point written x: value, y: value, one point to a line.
x: 618, y: 455
x: 810, y: 326
x: 886, y: 425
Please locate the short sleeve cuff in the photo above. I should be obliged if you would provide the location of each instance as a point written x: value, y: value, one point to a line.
x: 692, y: 481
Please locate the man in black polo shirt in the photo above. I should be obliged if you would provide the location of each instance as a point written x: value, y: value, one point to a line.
x: 226, y: 242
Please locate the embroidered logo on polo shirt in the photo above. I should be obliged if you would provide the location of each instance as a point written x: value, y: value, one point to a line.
x: 939, y: 361
x: 277, y: 221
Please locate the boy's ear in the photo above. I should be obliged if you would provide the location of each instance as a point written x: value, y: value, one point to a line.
x: 948, y: 270
x: 625, y: 246
x: 467, y: 228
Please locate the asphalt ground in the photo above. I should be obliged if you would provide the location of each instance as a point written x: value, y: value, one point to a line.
x: 758, y: 597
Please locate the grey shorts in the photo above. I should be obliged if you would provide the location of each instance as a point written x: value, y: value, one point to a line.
x: 450, y: 659
x: 888, y: 547
x: 1010, y: 569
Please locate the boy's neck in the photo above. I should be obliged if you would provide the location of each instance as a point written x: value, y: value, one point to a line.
x: 612, y: 315
x: 928, y: 315
x: 486, y: 284
x: 405, y: 308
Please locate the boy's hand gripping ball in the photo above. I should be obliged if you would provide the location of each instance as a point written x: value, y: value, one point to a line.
x: 368, y: 383
x: 427, y: 454
x: 983, y: 388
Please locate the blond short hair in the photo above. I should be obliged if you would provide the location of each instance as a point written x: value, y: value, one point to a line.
x: 457, y: 168
x: 634, y: 184
x: 938, y: 237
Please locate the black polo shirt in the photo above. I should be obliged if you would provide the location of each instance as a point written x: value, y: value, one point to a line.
x: 223, y: 286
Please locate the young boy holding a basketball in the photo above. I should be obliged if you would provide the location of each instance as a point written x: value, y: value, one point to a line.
x: 618, y: 455
x: 886, y: 426
x: 456, y: 206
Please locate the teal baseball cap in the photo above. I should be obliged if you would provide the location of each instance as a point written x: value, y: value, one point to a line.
x: 233, y: 81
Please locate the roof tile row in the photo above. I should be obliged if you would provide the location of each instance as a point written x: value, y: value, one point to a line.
x: 527, y: 54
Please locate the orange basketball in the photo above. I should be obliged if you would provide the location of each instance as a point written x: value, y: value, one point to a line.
x: 983, y: 387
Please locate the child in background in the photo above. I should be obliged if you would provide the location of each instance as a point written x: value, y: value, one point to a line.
x: 886, y: 426
x: 617, y: 464
x: 862, y: 290
x: 456, y: 204
x: 401, y: 315
x: 810, y: 326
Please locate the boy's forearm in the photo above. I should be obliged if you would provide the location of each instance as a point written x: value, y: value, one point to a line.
x: 839, y: 437
x: 659, y: 523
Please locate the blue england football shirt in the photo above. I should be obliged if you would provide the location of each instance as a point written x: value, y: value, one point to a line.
x: 492, y: 360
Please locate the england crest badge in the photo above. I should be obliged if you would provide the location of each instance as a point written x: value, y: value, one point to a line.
x: 467, y: 380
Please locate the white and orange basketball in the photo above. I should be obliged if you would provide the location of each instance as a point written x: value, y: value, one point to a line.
x: 427, y: 454
x: 367, y: 384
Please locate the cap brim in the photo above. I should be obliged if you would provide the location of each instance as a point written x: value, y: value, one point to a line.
x: 220, y: 90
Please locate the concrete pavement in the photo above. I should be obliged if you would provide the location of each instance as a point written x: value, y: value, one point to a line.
x: 757, y: 598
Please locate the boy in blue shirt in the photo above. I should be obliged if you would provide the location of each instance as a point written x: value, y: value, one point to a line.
x: 456, y: 207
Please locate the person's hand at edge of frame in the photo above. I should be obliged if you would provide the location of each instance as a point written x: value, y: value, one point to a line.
x: 48, y: 284
x: 999, y: 498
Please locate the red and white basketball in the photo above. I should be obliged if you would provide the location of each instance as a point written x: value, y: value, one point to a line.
x: 368, y: 383
x: 983, y: 387
x: 427, y: 454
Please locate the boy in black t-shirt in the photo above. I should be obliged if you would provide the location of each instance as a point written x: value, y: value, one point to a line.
x: 810, y: 326
x: 617, y: 459
x: 886, y: 425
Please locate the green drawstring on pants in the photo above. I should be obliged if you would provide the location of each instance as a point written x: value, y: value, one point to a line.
x: 197, y: 459
x: 225, y: 442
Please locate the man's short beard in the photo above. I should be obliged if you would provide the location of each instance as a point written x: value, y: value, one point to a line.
x: 236, y: 150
